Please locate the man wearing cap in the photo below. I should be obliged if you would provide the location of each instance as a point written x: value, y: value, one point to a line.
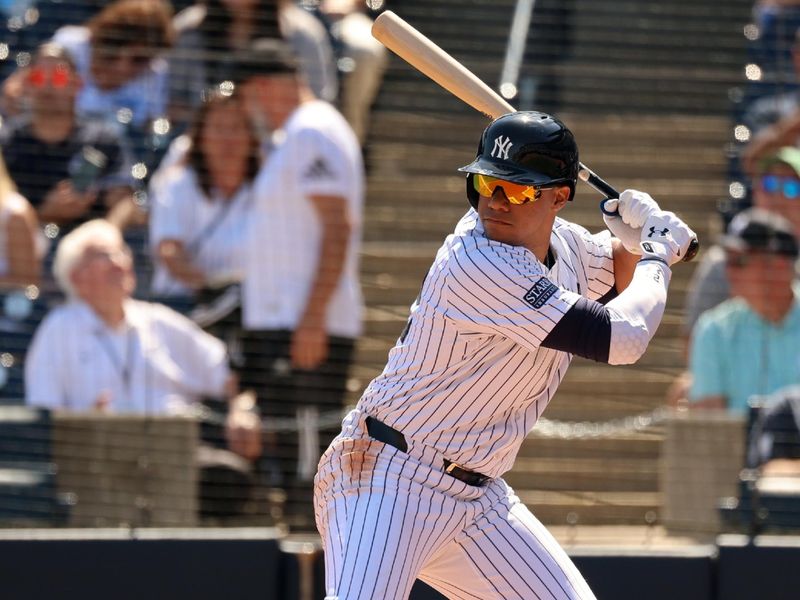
x: 750, y: 345
x: 301, y: 298
x: 776, y: 188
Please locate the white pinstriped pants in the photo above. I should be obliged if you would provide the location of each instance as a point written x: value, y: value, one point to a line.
x: 387, y: 518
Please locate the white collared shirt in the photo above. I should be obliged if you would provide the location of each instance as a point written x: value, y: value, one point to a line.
x: 212, y: 231
x: 316, y: 154
x: 156, y: 362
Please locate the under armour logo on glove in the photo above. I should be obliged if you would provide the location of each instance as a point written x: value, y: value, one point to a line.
x: 662, y: 232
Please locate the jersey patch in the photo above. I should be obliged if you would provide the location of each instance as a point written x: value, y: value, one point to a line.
x: 540, y: 293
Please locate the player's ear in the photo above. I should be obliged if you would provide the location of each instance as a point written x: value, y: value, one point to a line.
x: 561, y: 197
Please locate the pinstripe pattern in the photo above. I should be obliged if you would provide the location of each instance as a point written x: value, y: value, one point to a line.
x: 469, y: 378
x: 466, y: 381
x: 388, y: 518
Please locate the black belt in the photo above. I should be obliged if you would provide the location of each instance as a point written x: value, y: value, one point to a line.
x: 388, y: 435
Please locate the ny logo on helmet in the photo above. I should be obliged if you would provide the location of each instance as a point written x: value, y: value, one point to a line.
x: 501, y: 147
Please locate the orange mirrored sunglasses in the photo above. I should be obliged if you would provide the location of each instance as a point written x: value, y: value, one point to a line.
x: 516, y: 193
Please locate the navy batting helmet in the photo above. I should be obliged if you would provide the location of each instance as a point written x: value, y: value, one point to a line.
x: 525, y: 147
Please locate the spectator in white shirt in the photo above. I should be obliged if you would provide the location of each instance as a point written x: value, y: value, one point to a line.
x: 201, y: 207
x: 105, y: 351
x: 301, y: 298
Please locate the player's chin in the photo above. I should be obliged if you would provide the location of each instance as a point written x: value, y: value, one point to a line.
x: 499, y: 231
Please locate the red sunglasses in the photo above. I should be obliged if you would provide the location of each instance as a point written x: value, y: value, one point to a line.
x: 59, y: 77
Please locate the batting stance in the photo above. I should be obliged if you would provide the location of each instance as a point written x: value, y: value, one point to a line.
x: 412, y: 487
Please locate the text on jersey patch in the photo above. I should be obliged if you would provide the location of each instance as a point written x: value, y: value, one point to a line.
x: 540, y: 293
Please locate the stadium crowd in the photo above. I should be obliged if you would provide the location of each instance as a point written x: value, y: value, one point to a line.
x: 181, y: 200
x: 181, y: 196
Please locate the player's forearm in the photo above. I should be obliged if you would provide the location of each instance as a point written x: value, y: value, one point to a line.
x: 624, y: 265
x: 636, y: 313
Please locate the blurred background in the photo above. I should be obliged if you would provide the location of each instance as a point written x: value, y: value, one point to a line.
x: 162, y: 255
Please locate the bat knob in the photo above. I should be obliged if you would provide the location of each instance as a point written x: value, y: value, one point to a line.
x: 694, y: 247
x: 609, y: 207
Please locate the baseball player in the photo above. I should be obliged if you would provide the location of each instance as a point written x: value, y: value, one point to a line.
x: 412, y: 487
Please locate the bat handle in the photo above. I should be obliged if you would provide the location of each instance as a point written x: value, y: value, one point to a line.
x: 590, y: 177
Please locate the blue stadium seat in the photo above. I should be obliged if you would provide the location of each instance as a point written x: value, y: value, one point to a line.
x: 28, y: 492
x: 21, y: 311
x: 757, y: 509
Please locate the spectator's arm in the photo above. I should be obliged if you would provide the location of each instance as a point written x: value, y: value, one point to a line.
x: 12, y: 92
x: 341, y: 8
x: 123, y: 211
x: 63, y: 203
x: 202, y: 358
x: 309, y: 342
x: 172, y: 253
x: 24, y: 266
x: 43, y: 369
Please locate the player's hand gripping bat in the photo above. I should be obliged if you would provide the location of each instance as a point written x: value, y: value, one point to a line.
x: 428, y: 58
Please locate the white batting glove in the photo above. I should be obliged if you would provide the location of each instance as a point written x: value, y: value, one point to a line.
x: 635, y: 207
x: 626, y: 234
x: 665, y: 237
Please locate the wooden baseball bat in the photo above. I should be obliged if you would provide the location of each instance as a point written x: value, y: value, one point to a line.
x: 428, y: 58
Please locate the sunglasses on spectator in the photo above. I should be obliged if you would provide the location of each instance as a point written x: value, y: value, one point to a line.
x: 788, y: 186
x: 58, y: 77
x: 516, y: 193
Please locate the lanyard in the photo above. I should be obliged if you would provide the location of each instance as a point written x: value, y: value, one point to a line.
x: 121, y: 365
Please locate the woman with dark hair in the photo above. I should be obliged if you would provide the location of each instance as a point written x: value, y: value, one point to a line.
x: 201, y: 206
x: 209, y: 32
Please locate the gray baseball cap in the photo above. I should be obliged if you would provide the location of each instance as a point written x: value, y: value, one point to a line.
x: 756, y: 229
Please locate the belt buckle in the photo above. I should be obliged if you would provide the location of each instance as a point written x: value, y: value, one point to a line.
x: 452, y: 467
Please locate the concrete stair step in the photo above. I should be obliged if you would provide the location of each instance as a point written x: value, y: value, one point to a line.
x: 592, y: 508
x: 640, y: 446
x: 588, y: 474
x: 605, y: 129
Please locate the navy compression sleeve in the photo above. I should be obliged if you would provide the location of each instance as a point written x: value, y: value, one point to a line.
x: 585, y: 330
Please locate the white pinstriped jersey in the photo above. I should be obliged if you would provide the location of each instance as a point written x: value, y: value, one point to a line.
x: 468, y: 376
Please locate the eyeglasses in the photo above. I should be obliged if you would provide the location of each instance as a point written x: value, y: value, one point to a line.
x: 517, y: 193
x: 788, y: 186
x: 58, y: 77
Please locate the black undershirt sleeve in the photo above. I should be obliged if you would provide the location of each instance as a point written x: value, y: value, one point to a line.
x: 585, y: 330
